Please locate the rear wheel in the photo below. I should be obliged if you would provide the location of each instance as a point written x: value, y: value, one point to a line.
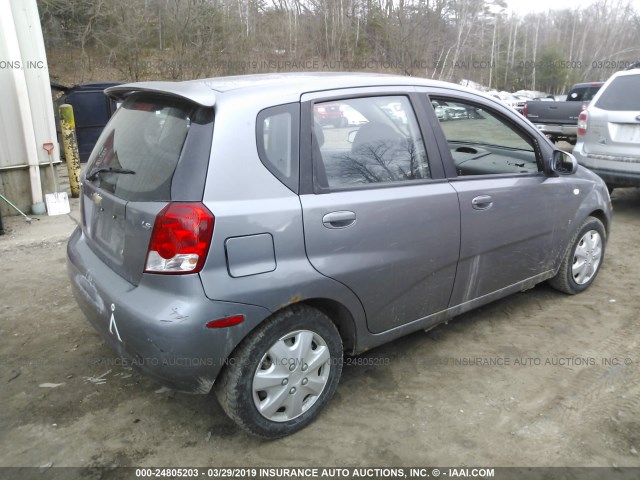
x: 583, y: 258
x: 283, y: 374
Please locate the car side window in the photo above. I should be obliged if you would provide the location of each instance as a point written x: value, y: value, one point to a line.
x: 482, y: 142
x: 368, y: 140
x: 278, y: 147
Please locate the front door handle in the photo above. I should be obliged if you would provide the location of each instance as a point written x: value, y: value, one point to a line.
x: 340, y: 219
x: 482, y: 202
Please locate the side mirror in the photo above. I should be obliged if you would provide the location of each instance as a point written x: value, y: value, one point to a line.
x: 563, y: 163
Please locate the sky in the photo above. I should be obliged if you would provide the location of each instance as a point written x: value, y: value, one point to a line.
x: 527, y: 6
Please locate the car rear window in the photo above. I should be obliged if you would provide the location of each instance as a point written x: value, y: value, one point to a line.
x: 622, y: 94
x: 146, y: 136
x: 583, y: 94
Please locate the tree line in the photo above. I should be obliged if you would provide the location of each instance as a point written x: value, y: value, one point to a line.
x: 452, y: 40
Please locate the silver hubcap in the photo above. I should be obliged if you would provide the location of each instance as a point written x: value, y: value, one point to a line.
x: 586, y: 258
x: 291, y: 376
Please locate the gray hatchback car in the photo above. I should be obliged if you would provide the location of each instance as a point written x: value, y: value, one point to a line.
x: 231, y: 242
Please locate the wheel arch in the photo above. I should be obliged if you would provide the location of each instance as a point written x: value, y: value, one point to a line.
x: 334, y: 310
x: 600, y: 215
x: 340, y: 316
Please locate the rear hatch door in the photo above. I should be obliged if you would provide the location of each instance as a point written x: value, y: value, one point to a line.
x: 146, y: 157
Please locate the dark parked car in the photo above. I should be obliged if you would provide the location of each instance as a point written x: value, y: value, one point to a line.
x: 229, y: 242
x: 92, y: 110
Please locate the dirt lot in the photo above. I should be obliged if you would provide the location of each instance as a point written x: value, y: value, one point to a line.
x: 563, y: 390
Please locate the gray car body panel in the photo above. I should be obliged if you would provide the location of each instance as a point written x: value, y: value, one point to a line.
x: 298, y: 260
x: 399, y: 271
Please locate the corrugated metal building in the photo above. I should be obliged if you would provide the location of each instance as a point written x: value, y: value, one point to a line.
x: 26, y: 109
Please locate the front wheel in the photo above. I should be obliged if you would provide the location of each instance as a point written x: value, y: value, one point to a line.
x: 283, y: 374
x: 583, y: 258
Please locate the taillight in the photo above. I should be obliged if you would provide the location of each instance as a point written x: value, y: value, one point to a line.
x: 180, y: 239
x: 582, y: 123
x: 524, y: 110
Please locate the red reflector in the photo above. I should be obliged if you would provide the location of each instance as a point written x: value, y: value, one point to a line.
x: 226, y: 322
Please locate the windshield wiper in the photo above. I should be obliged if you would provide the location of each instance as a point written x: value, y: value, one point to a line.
x: 94, y: 173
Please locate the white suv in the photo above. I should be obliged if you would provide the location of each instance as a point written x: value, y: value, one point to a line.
x: 609, y: 131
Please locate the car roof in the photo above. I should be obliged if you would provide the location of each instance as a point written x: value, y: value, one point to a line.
x: 204, y: 91
x: 587, y: 84
x: 625, y: 73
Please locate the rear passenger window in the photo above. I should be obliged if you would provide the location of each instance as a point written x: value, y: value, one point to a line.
x: 277, y: 137
x: 363, y: 141
x: 482, y: 142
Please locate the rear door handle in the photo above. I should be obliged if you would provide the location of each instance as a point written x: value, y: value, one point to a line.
x: 340, y: 219
x: 482, y: 202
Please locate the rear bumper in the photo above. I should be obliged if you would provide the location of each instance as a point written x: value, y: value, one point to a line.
x: 616, y: 171
x: 158, y: 326
x: 558, y: 130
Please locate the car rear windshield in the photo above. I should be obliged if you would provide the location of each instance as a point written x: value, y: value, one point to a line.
x: 136, y: 155
x: 583, y: 93
x: 622, y: 94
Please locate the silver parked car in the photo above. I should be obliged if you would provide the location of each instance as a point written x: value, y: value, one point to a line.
x: 609, y: 131
x: 230, y: 242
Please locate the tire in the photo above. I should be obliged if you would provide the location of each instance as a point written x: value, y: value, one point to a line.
x: 246, y: 389
x: 583, y: 258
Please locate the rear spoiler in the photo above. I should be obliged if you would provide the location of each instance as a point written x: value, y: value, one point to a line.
x: 196, y: 91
